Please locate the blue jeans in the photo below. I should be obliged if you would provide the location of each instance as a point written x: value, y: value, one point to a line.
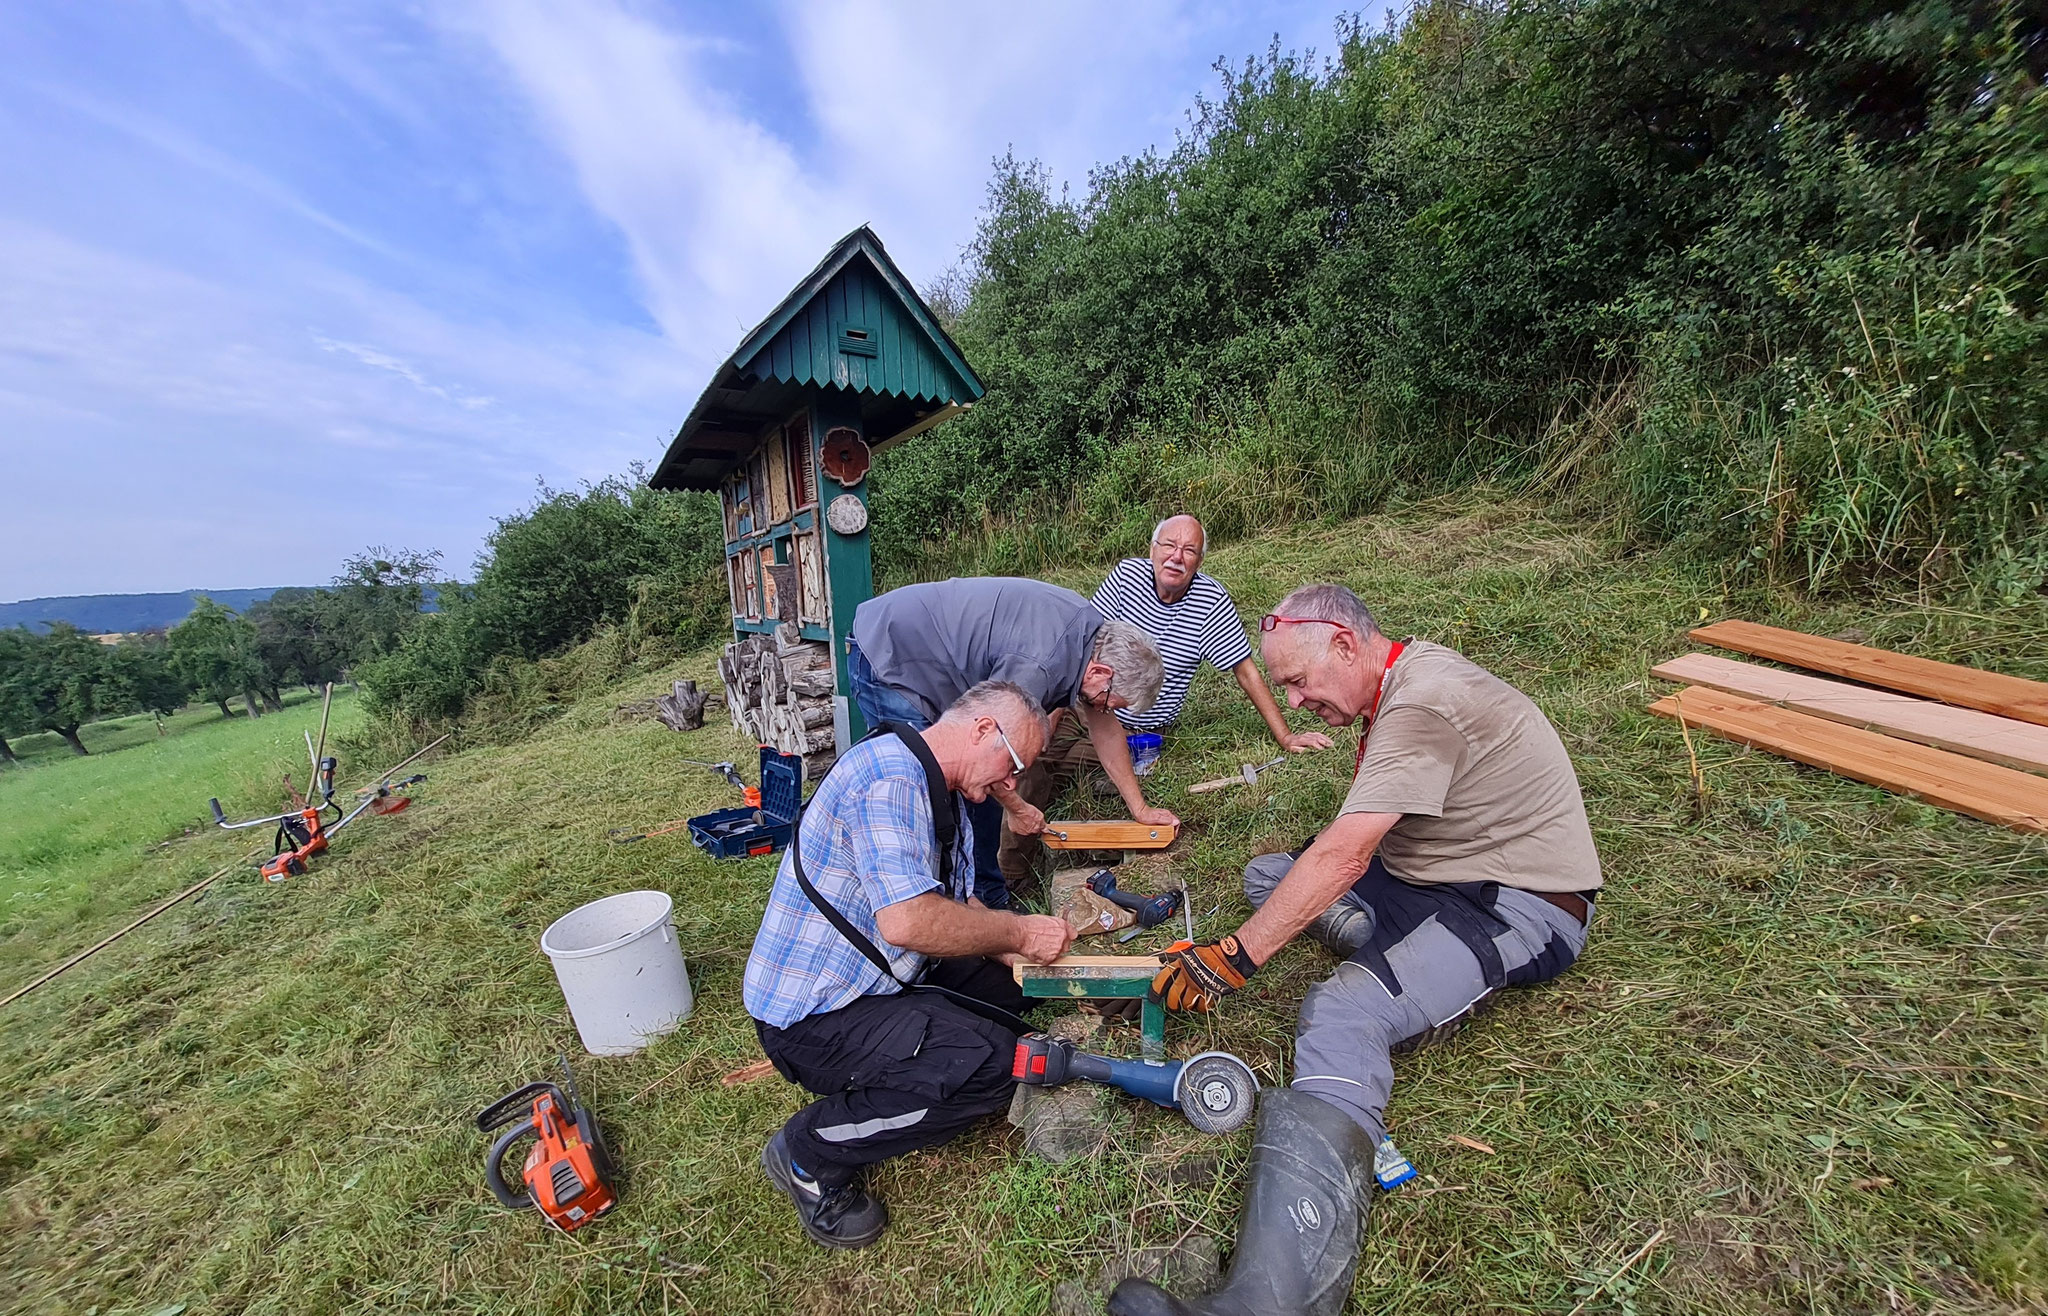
x: 879, y: 703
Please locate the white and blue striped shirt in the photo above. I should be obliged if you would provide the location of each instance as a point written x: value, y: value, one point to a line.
x: 1203, y: 625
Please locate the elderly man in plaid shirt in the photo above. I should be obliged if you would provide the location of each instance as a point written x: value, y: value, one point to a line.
x: 894, y: 1069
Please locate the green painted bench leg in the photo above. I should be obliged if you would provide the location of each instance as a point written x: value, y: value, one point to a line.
x: 1153, y: 1032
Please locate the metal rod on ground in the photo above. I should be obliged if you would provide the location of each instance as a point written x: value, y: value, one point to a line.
x: 392, y: 772
x: 415, y: 758
x: 95, y: 948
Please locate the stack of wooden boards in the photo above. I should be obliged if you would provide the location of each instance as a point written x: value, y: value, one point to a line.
x: 1979, y: 751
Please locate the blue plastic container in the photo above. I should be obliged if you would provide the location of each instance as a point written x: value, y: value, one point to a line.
x: 738, y: 833
x: 1145, y: 748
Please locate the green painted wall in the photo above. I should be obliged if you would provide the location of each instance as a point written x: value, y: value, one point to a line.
x: 810, y: 350
x: 849, y: 574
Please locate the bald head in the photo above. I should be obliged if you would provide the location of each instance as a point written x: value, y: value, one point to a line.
x: 1178, y: 546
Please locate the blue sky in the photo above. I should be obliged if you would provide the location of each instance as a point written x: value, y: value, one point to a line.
x: 282, y: 280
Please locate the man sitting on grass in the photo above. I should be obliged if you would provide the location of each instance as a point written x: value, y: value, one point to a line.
x: 1460, y: 863
x: 916, y: 647
x: 876, y: 893
x: 1189, y: 616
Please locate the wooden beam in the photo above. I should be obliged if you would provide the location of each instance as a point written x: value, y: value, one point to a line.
x: 1964, y: 731
x: 1124, y: 835
x: 1967, y: 687
x: 1093, y: 966
x: 1981, y: 790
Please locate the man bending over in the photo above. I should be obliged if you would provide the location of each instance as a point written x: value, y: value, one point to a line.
x: 894, y: 1069
x: 1460, y: 863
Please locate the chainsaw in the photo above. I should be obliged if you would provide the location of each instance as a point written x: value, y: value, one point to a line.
x: 569, y: 1174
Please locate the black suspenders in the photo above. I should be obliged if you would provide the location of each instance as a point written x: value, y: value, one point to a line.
x: 945, y: 829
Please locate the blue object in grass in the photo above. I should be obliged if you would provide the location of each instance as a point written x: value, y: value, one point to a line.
x: 1145, y: 748
x: 738, y: 833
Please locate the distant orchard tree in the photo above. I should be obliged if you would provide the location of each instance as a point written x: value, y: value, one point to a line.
x: 61, y: 681
x: 215, y: 650
x: 15, y: 712
x: 145, y: 678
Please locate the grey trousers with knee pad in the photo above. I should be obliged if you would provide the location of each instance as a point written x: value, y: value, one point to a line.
x: 1434, y: 953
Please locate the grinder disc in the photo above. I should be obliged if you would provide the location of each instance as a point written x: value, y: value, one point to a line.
x: 1217, y: 1091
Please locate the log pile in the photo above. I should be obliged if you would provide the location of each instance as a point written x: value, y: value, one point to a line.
x: 779, y: 692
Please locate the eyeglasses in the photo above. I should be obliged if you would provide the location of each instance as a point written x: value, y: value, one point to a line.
x: 1271, y: 622
x: 1011, y: 748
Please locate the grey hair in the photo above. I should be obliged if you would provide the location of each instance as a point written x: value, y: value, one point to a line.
x: 993, y: 698
x: 1330, y: 603
x: 1132, y: 655
x: 1203, y: 547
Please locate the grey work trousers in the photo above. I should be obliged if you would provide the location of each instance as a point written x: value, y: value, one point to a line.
x: 1410, y: 979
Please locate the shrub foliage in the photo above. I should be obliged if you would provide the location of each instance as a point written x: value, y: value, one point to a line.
x: 1764, y: 276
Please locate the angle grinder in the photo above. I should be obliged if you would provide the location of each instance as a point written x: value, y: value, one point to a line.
x: 1215, y: 1090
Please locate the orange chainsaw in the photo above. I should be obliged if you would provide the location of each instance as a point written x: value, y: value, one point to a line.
x: 569, y: 1173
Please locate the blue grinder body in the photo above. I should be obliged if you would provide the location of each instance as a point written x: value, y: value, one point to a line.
x: 1215, y: 1091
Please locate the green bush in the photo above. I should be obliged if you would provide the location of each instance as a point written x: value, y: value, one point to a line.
x: 1760, y: 277
x: 616, y: 556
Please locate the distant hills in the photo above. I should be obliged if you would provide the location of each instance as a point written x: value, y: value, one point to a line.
x: 122, y: 613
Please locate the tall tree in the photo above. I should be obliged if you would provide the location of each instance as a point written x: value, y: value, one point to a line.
x: 62, y: 681
x: 143, y: 677
x: 14, y: 708
x: 215, y: 650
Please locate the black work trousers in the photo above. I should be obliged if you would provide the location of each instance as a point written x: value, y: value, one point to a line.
x: 899, y: 1072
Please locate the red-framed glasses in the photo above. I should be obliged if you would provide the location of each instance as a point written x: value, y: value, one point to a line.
x: 1271, y: 622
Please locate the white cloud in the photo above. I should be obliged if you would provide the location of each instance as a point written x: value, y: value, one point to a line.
x: 719, y: 216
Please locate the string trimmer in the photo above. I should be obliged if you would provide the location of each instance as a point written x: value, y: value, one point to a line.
x: 303, y: 831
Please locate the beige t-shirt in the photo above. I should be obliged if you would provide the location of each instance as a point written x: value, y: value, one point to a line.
x: 1484, y: 787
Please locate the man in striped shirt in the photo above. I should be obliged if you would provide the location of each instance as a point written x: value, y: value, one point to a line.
x: 1191, y: 619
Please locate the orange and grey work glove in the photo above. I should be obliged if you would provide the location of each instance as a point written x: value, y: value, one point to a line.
x: 1196, y: 977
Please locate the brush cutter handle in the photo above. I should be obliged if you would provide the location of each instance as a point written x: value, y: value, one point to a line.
x: 494, y: 1163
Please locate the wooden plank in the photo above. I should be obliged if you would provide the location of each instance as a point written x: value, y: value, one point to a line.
x: 1964, y: 731
x: 1967, y: 687
x: 1080, y: 969
x: 1123, y: 835
x: 1981, y: 790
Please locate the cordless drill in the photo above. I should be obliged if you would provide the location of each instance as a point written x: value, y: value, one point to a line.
x: 1151, y: 910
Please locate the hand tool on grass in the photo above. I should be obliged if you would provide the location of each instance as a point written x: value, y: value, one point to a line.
x: 1247, y: 774
x: 1215, y: 1090
x: 569, y: 1174
x: 1151, y: 910
x: 728, y: 770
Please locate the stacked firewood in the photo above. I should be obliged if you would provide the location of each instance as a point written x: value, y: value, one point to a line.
x: 779, y: 692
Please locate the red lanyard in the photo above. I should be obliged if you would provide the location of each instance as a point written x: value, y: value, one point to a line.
x: 1373, y: 712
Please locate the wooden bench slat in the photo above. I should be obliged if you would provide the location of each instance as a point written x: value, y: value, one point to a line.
x: 1981, y: 790
x: 1964, y: 731
x: 1967, y: 687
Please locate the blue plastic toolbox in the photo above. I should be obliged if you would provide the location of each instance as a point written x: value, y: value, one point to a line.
x: 737, y: 833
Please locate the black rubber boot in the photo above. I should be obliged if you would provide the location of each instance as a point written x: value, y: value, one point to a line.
x: 1304, y: 1209
x: 1342, y: 929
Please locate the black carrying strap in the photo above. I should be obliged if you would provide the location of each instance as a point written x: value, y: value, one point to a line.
x: 945, y: 830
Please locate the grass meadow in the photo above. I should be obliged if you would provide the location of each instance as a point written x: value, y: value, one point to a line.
x: 84, y: 840
x: 1803, y: 1053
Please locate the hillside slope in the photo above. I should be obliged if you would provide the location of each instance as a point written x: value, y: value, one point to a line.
x: 1805, y: 1041
x: 121, y: 614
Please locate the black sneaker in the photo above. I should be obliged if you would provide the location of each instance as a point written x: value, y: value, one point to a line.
x: 846, y: 1216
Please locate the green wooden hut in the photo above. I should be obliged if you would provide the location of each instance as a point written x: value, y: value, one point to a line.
x: 850, y: 363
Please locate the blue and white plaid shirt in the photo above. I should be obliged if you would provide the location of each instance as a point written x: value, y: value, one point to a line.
x: 867, y: 844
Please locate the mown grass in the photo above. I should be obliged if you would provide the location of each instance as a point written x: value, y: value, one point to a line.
x: 84, y: 840
x: 1805, y: 1042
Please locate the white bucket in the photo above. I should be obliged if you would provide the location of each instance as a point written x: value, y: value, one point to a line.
x: 621, y: 970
